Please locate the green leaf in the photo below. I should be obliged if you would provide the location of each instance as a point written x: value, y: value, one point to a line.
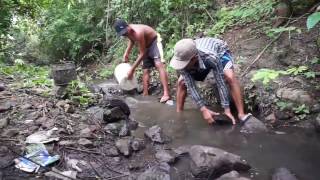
x: 313, y: 19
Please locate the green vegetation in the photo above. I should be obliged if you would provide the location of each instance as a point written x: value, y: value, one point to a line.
x: 313, y: 19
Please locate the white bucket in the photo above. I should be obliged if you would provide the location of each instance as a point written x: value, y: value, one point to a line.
x: 121, y: 74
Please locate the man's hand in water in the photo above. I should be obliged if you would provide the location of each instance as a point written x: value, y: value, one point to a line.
x: 229, y: 114
x: 207, y: 114
x: 130, y: 74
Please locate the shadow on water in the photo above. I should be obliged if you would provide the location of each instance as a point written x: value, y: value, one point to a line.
x: 297, y: 149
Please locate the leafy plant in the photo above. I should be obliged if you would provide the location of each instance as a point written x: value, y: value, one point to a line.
x: 312, y: 20
x: 283, y: 105
x: 79, y: 93
x: 297, y: 70
x: 266, y: 75
x: 302, y: 109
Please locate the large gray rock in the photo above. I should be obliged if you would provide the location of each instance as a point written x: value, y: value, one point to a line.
x: 155, y: 134
x: 283, y: 174
x: 253, y: 125
x: 113, y: 115
x: 160, y: 172
x: 124, y: 146
x: 210, y: 162
x: 297, y: 95
x: 166, y: 156
x: 233, y: 175
x: 2, y: 87
x: 112, y: 102
x: 4, y: 122
x: 124, y: 131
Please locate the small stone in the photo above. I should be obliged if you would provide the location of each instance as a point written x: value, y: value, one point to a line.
x: 283, y: 174
x: 137, y: 144
x: 85, y: 142
x: 155, y: 134
x: 271, y: 118
x: 10, y: 132
x: 166, y: 156
x: 253, y: 125
x: 315, y: 108
x: 124, y: 131
x: 5, y: 107
x: 117, y: 159
x: 66, y: 143
x: 160, y: 172
x: 124, y: 146
x: 281, y: 115
x: 2, y: 87
x: 26, y: 106
x: 4, y: 122
x: 69, y: 108
x: 112, y: 151
x: 96, y: 113
x: 85, y: 132
x: 113, y: 128
x: 133, y: 125
x: 134, y: 166
x: 60, y: 103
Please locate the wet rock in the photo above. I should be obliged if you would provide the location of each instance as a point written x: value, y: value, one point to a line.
x: 233, y: 175
x: 133, y: 125
x: 133, y: 166
x: 26, y: 106
x: 85, y: 142
x: 282, y: 115
x: 297, y: 95
x: 317, y: 123
x: 137, y: 144
x: 124, y: 131
x: 66, y: 143
x: 112, y: 151
x: 96, y: 113
x: 253, y: 125
x: 10, y: 132
x: 112, y: 102
x: 155, y: 134
x: 113, y: 128
x: 166, y: 156
x: 124, y: 146
x: 2, y: 87
x: 4, y: 122
x: 315, y: 108
x: 5, y: 107
x: 160, y: 172
x: 213, y: 162
x: 283, y: 174
x: 182, y: 150
x: 113, y: 115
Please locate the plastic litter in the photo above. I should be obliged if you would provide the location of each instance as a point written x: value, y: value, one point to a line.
x: 42, y: 137
x: 37, y: 153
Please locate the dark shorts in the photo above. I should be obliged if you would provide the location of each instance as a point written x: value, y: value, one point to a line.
x: 152, y: 55
x: 226, y: 60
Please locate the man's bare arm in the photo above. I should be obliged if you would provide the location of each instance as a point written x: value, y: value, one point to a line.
x: 142, y: 51
x: 128, y: 50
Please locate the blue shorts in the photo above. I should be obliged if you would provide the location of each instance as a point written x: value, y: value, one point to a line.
x: 227, y: 61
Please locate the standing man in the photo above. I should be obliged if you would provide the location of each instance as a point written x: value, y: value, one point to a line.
x: 146, y: 39
x: 194, y: 59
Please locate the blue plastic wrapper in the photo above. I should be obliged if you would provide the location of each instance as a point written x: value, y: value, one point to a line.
x: 37, y: 153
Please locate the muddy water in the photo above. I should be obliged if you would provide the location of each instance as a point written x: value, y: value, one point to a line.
x: 297, y: 149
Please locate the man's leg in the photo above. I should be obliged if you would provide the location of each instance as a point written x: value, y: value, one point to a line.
x: 181, y: 94
x: 164, y: 80
x: 235, y: 91
x: 146, y: 78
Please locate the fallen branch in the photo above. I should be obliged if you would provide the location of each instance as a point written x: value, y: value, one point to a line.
x: 9, y: 139
x: 85, y: 151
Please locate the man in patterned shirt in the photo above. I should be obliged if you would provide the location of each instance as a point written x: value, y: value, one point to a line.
x: 194, y: 59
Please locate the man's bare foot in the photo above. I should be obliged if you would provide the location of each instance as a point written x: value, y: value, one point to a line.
x: 164, y: 99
